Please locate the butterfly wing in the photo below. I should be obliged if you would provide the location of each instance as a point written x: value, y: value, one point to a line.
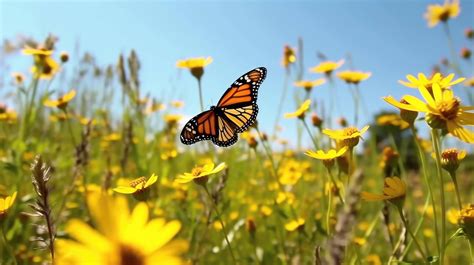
x: 237, y: 110
x: 209, y: 126
x: 226, y: 133
x: 199, y: 128
x: 239, y: 102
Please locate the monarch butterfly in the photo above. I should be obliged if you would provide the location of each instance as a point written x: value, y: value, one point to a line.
x: 235, y: 112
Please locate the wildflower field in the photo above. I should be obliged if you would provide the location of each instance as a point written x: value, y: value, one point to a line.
x: 96, y: 170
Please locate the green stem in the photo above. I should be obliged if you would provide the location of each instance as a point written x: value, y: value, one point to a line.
x: 471, y: 250
x: 310, y: 134
x: 73, y: 139
x: 282, y: 100
x: 402, y: 216
x: 355, y: 97
x: 436, y: 146
x: 456, y: 188
x: 224, y: 230
x: 7, y: 246
x: 328, y: 214
x: 418, y: 226
x: 454, y: 61
x: 422, y: 157
x: 201, y: 102
x: 339, y: 193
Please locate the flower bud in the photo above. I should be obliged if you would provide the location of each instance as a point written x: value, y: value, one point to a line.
x: 451, y: 158
x: 342, y: 122
x: 316, y: 120
x: 465, y: 53
x: 64, y: 57
x: 435, y: 121
x: 252, y: 142
x: 469, y: 33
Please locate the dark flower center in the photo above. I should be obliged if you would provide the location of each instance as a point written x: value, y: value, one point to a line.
x: 130, y: 256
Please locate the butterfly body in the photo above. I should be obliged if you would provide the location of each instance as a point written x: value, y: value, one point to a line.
x: 235, y: 112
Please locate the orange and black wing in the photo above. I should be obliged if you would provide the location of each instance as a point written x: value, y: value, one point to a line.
x: 239, y: 102
x: 201, y: 127
x: 209, y: 126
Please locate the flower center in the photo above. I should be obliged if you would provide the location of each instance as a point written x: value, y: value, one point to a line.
x: 196, y: 171
x: 449, y: 109
x: 444, y: 16
x: 130, y: 256
x: 450, y: 154
x: 134, y: 183
x: 350, y: 131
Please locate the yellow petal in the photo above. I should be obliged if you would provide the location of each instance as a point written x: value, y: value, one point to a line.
x: 125, y: 190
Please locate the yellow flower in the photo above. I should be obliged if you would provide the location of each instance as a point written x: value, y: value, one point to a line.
x: 389, y: 158
x: 353, y: 77
x: 373, y: 260
x: 295, y: 224
x: 8, y: 116
x: 6, y: 203
x: 423, y: 81
x: 443, y: 111
x: 466, y: 220
x: 61, y: 102
x: 442, y: 13
x: 177, y: 104
x: 392, y: 120
x: 45, y: 67
x: 113, y: 137
x: 289, y: 56
x: 266, y: 211
x: 195, y: 65
x: 199, y: 173
x: 138, y: 187
x: 309, y: 84
x: 346, y: 137
x: 452, y: 215
x: 394, y: 190
x: 469, y: 82
x: 300, y: 112
x: 172, y: 119
x: 327, y: 157
x: 359, y: 241
x: 327, y: 67
x: 153, y: 106
x: 122, y: 237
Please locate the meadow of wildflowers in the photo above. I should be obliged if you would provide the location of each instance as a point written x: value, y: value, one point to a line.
x: 83, y: 181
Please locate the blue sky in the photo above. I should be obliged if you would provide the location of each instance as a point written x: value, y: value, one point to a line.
x: 388, y: 38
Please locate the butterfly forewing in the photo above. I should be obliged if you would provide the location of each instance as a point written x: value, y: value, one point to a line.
x: 201, y: 127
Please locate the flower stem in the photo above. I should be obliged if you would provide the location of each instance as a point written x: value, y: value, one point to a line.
x: 436, y: 146
x: 405, y: 223
x: 456, y: 188
x: 471, y: 249
x: 70, y: 128
x: 355, y: 97
x: 334, y: 183
x: 421, y: 154
x: 200, y: 94
x: 310, y: 134
x: 7, y: 246
x: 282, y: 100
x: 224, y: 230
